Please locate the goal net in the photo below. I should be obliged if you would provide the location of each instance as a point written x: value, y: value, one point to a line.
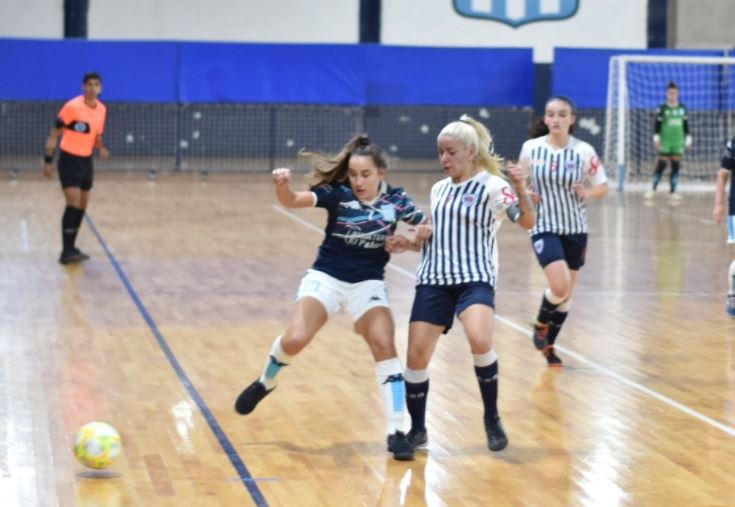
x: 637, y: 87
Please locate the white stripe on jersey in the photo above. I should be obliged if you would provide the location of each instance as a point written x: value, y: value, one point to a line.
x: 553, y: 174
x: 465, y: 219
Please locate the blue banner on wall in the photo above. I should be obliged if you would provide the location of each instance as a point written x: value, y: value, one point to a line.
x: 268, y: 73
x: 582, y: 74
x: 53, y: 70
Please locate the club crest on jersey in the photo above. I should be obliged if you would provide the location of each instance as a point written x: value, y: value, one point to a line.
x: 517, y: 12
x: 389, y: 212
x: 468, y: 200
x: 571, y: 165
x: 538, y: 245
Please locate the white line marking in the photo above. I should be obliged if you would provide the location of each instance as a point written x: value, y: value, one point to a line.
x: 630, y: 383
x: 24, y: 236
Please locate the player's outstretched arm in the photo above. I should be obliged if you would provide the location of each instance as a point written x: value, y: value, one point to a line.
x: 285, y: 194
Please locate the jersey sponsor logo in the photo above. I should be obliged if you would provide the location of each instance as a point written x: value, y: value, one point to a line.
x: 351, y: 205
x: 508, y: 196
x: 517, y: 12
x: 538, y: 245
x: 595, y: 164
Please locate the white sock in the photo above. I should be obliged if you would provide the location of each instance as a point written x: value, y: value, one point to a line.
x: 551, y: 297
x: 486, y: 359
x: 731, y: 279
x: 392, y: 391
x: 277, y: 359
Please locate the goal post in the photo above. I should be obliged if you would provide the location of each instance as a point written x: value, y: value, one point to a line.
x: 637, y: 87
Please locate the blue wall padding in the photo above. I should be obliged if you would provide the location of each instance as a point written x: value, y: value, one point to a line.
x: 192, y: 72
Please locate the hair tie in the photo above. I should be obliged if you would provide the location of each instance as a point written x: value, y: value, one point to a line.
x: 363, y: 141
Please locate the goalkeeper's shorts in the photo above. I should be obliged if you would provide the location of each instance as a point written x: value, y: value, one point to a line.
x: 668, y: 150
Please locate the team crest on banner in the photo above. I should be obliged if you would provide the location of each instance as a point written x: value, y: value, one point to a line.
x: 517, y: 12
x: 538, y: 245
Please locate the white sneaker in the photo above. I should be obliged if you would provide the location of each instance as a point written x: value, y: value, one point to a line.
x: 650, y: 194
x: 674, y: 196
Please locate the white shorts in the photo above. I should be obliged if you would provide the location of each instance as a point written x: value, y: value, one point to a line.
x: 731, y: 230
x: 333, y: 294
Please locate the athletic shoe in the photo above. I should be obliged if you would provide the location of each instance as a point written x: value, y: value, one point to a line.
x: 73, y: 256
x: 674, y: 196
x: 419, y: 439
x: 730, y: 305
x: 551, y: 358
x: 540, y: 335
x: 649, y: 194
x: 250, y: 397
x: 496, y: 438
x: 399, y: 445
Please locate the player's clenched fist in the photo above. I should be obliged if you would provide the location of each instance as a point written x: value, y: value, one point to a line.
x: 281, y: 176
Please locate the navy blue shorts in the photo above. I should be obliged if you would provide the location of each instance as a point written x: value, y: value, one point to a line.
x: 438, y: 304
x: 550, y: 247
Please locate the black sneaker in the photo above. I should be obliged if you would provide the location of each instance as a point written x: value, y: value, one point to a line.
x: 419, y: 439
x: 250, y: 397
x: 552, y: 359
x: 399, y: 445
x: 73, y: 256
x: 496, y: 438
x: 540, y: 335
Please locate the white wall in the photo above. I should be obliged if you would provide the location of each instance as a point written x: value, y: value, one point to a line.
x: 32, y: 18
x: 297, y: 21
x: 597, y: 23
x: 701, y: 24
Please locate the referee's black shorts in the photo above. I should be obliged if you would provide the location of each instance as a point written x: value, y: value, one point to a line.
x: 75, y: 171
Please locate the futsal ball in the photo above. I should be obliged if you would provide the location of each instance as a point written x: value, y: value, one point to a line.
x: 97, y: 445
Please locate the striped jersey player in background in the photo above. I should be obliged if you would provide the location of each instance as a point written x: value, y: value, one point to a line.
x: 459, y: 267
x: 670, y: 139
x: 559, y: 166
x: 348, y: 272
x: 727, y: 166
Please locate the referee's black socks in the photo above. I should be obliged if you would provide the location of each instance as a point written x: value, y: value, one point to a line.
x: 487, y: 378
x: 70, y: 222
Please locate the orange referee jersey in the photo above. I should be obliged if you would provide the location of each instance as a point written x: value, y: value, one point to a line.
x: 82, y: 124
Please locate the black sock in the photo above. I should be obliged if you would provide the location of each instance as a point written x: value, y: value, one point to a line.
x: 546, y: 311
x: 416, y: 395
x: 660, y: 168
x: 675, y: 165
x: 80, y: 218
x: 69, y: 226
x: 487, y: 377
x: 555, y: 326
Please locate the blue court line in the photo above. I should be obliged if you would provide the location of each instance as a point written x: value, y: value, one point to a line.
x: 242, y: 470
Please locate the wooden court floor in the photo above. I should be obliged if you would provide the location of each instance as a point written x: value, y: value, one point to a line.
x: 191, y: 280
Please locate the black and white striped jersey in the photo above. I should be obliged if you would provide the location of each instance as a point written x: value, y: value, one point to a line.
x: 465, y: 219
x: 553, y: 174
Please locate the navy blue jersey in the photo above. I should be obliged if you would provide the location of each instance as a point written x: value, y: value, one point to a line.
x: 728, y: 162
x: 354, y: 244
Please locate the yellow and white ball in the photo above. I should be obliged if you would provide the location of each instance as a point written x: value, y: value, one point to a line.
x: 97, y: 445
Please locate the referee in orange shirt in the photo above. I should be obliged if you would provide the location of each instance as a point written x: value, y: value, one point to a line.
x: 80, y: 124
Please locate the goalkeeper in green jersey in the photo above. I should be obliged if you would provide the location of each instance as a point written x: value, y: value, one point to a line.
x: 671, y: 138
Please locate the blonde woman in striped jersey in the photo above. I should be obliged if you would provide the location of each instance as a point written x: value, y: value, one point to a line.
x: 565, y: 173
x: 459, y: 267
